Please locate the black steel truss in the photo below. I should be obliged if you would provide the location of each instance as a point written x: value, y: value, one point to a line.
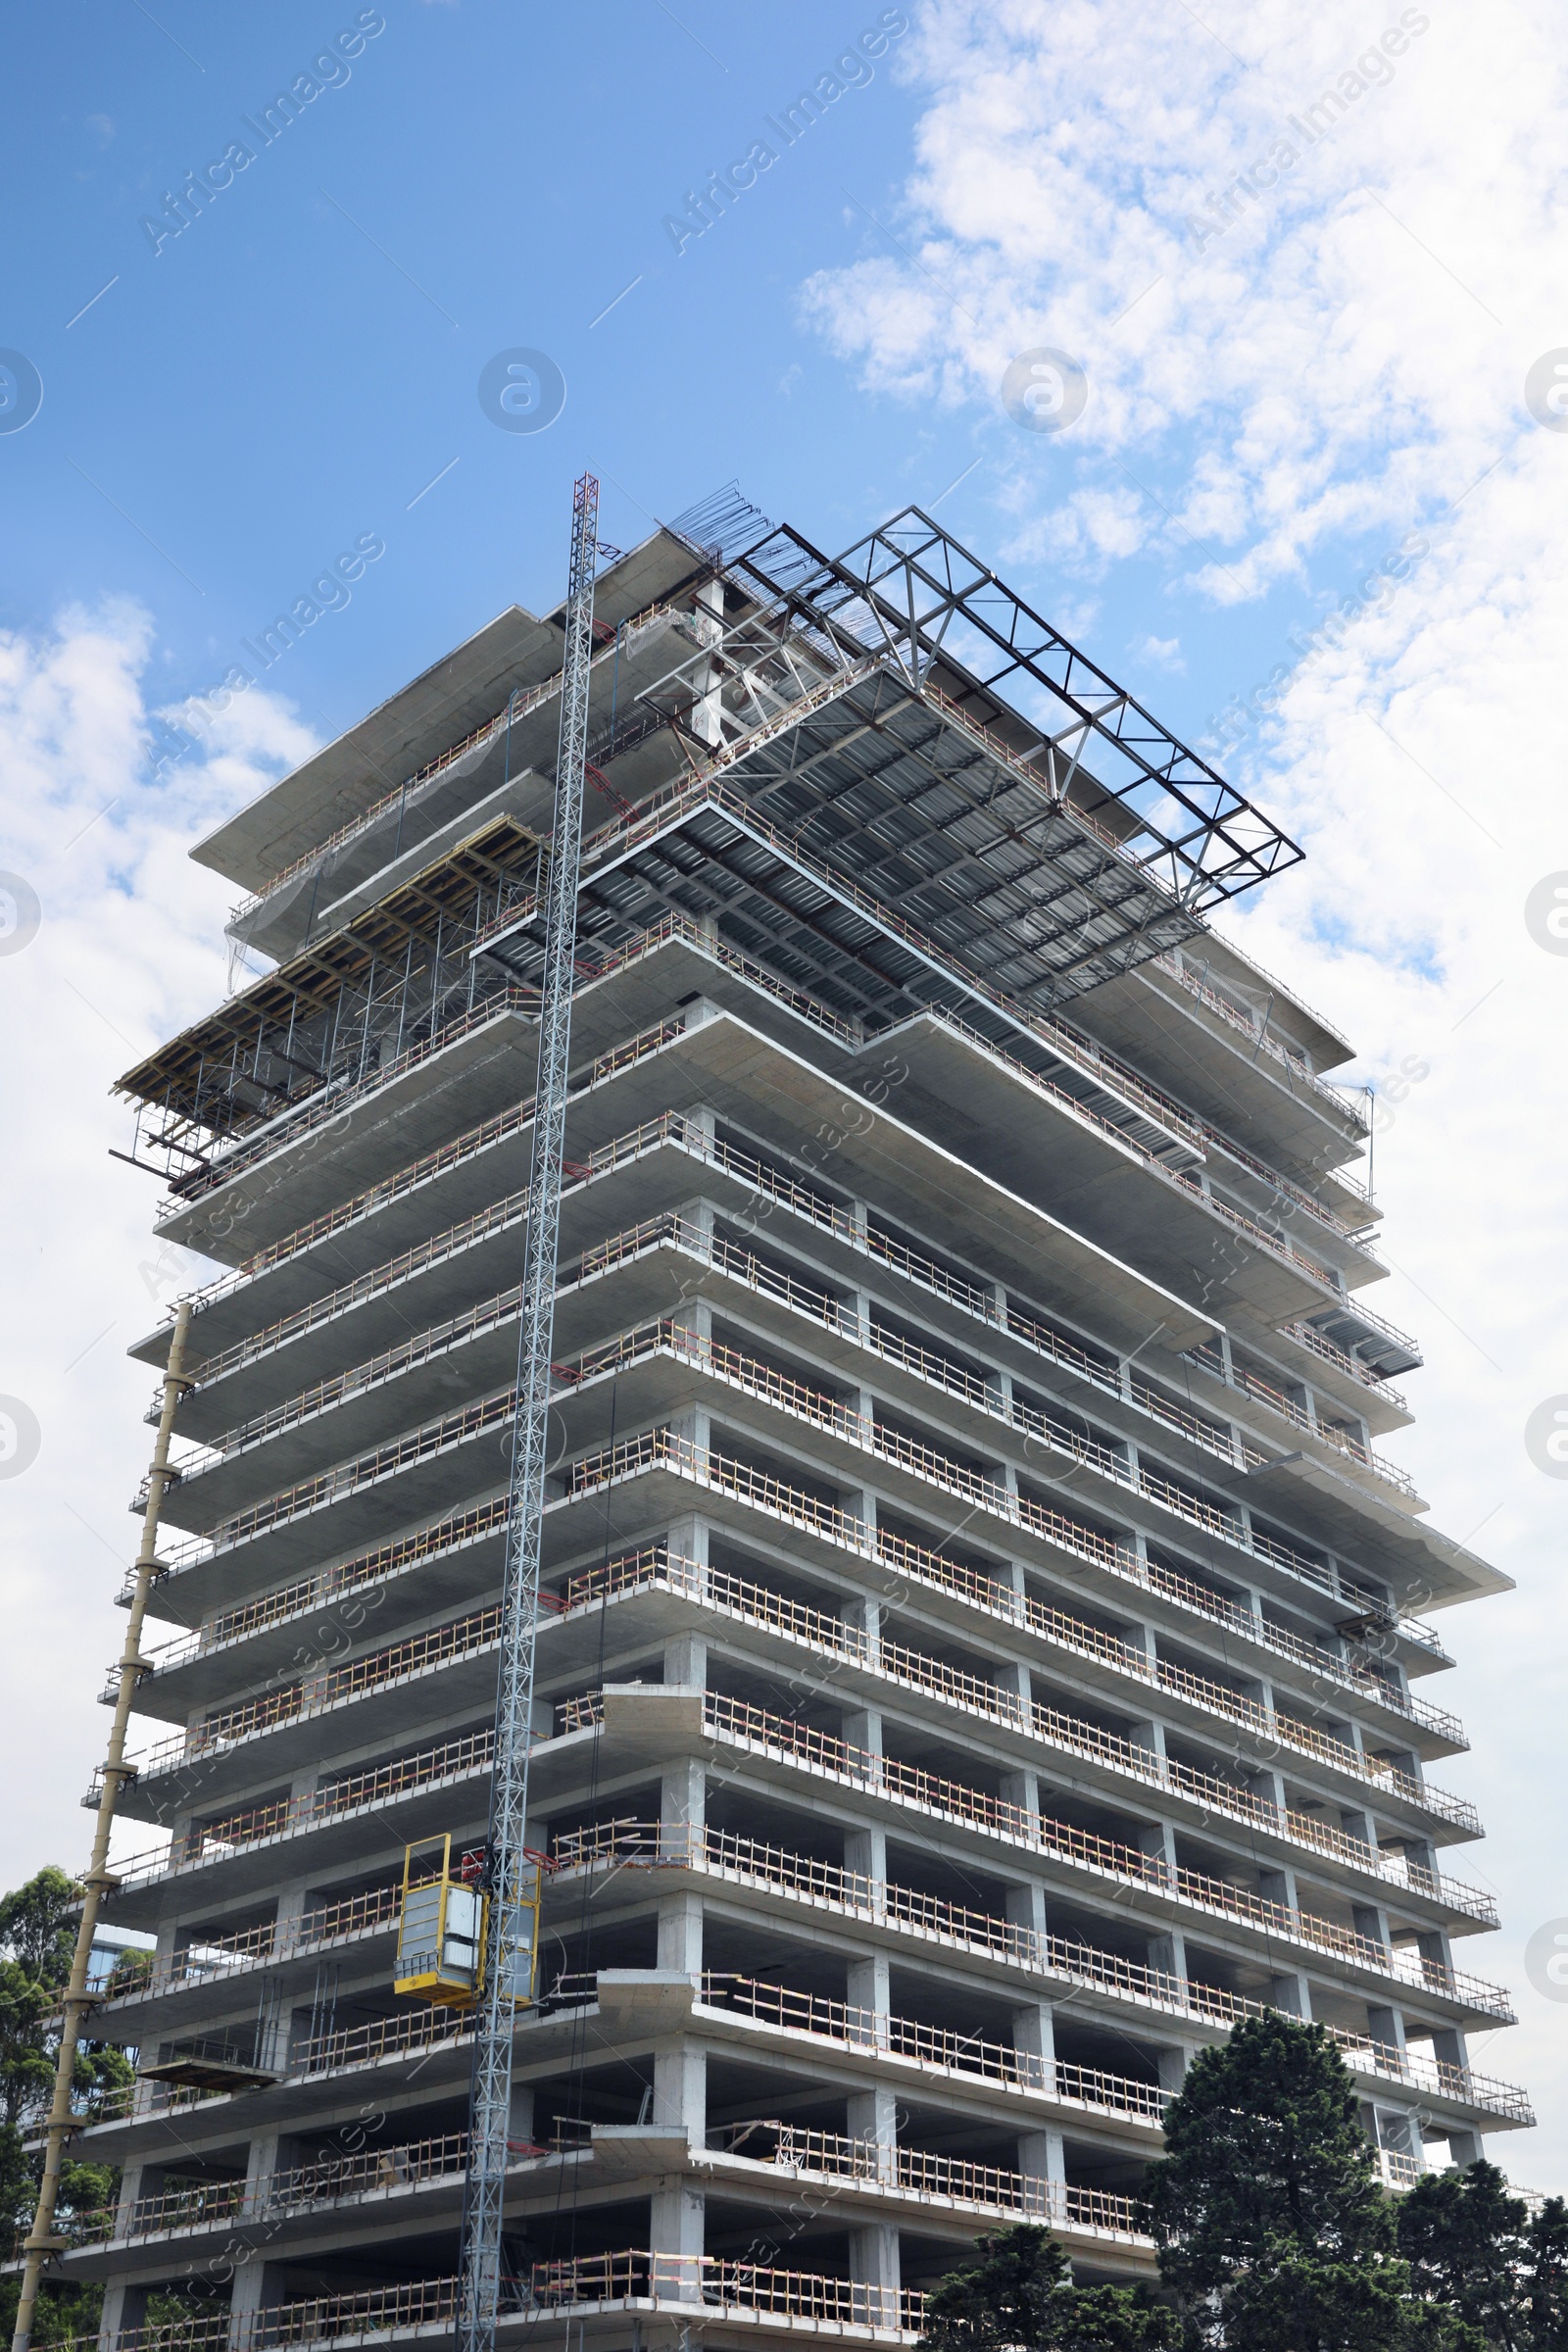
x: 917, y: 596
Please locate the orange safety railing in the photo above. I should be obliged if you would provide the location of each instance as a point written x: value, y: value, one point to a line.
x: 215, y: 1840
x: 934, y: 2046
x: 825, y: 1751
x: 420, y: 1653
x: 831, y: 2155
x: 1105, y: 1858
x: 660, y: 1447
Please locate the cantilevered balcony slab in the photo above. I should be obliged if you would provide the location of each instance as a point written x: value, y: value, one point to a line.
x: 1424, y: 1567
x: 448, y: 794
x: 322, y: 1158
x: 360, y: 1230
x: 1154, y: 1907
x: 231, y: 1659
x: 1113, y: 1195
x: 328, y: 2097
x: 357, y: 2224
x: 790, y: 1106
x: 655, y: 1489
x: 412, y: 1710
x: 1275, y: 1106
x: 434, y: 711
x: 411, y: 726
x: 373, y: 1834
x: 638, y: 2007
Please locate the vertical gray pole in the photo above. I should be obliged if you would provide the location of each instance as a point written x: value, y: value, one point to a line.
x: 508, y: 1958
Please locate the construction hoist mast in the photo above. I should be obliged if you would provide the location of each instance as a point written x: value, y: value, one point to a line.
x: 509, y: 1958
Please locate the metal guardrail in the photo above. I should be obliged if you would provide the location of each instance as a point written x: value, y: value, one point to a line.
x: 624, y: 1844
x: 720, y: 1590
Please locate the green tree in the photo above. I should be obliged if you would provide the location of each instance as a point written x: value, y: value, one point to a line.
x: 37, y: 1939
x: 1020, y: 2292
x: 1271, y: 2222
x: 1467, y: 2241
x: 1546, y: 2279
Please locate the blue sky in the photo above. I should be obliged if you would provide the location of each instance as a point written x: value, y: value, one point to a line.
x: 1316, y: 404
x: 302, y: 360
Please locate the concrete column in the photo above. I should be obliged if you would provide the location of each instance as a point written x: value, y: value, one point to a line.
x: 1035, y: 2040
x: 521, y: 2116
x: 258, y: 2282
x: 875, y: 2273
x: 1434, y: 1947
x: 862, y: 1617
x: 694, y: 1426
x: 872, y: 2117
x: 1387, y: 2024
x: 866, y: 1988
x: 872, y: 2114
x: 1147, y: 1732
x: 861, y: 1728
x: 702, y: 1117
x: 680, y: 1933
x: 1173, y: 2064
x: 268, y: 2155
x: 1022, y: 1789
x: 1449, y: 2048
x: 686, y: 1540
x: 293, y: 1901
x: 866, y: 1852
x: 1167, y: 1954
x: 1015, y: 1684
x: 1141, y: 1640
x: 860, y: 1502
x: 676, y: 2228
x: 680, y: 2090
x: 124, y: 2313
x: 1043, y: 2162
x: 695, y: 1316
x: 1291, y: 1991
x: 1026, y: 1910
x: 686, y: 1662
x: 1372, y: 1922
x: 1268, y: 1785
x: 1157, y: 1840
x: 1422, y: 1853
x: 857, y: 1308
x: 1277, y: 1885
x: 682, y: 1801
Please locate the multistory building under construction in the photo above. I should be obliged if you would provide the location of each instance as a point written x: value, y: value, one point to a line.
x: 980, y: 1641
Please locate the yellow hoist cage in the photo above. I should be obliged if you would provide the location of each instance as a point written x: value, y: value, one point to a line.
x: 441, y: 1933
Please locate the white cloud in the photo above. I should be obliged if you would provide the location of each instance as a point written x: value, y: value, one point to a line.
x: 129, y: 948
x: 1158, y: 652
x: 1336, y: 370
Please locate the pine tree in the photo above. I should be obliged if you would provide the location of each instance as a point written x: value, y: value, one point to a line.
x: 1546, y: 2279
x: 37, y: 1939
x: 1020, y: 2294
x: 1270, y: 2220
x: 1466, y: 2241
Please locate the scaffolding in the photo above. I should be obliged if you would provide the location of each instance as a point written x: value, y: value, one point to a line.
x: 394, y: 979
x: 98, y: 1879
